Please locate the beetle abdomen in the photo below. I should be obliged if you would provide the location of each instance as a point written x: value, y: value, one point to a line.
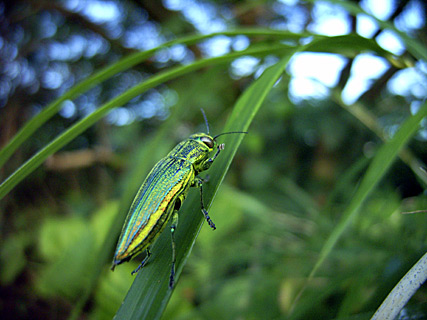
x: 153, y: 206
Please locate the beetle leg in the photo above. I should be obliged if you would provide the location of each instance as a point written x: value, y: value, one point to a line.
x: 198, y: 181
x: 143, y: 261
x: 209, y: 162
x: 204, y: 211
x: 173, y: 228
x: 219, y: 148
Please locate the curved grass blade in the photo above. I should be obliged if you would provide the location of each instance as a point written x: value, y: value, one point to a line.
x: 49, y: 111
x: 87, y: 122
x: 321, y: 43
x: 403, y: 291
x: 149, y: 293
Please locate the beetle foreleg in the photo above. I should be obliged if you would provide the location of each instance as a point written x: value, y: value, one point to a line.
x: 209, y: 162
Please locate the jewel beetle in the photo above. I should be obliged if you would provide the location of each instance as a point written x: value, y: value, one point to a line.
x: 161, y: 195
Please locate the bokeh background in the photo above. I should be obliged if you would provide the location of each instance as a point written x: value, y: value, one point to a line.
x: 291, y: 179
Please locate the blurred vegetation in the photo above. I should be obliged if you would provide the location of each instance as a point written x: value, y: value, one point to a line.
x: 289, y: 188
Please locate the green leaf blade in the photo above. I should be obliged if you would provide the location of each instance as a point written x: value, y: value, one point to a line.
x: 106, y: 73
x: 150, y: 293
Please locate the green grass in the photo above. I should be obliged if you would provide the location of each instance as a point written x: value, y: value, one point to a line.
x: 149, y: 294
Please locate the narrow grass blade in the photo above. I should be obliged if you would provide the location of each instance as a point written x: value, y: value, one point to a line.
x: 368, y: 119
x: 149, y: 293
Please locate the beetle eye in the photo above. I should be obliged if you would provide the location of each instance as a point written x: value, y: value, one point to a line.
x: 207, y: 141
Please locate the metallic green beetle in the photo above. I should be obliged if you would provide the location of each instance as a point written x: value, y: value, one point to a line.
x: 161, y: 195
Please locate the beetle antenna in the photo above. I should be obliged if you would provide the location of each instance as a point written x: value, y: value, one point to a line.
x: 206, y: 119
x: 245, y: 132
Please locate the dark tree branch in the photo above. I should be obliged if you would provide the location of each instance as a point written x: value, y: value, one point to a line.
x: 374, y: 91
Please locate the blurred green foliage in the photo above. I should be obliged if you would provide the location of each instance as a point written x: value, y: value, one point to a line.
x: 287, y: 189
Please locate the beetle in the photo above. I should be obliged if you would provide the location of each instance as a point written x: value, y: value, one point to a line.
x: 161, y: 195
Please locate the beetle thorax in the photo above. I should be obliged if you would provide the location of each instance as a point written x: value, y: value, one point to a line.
x: 195, y: 149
